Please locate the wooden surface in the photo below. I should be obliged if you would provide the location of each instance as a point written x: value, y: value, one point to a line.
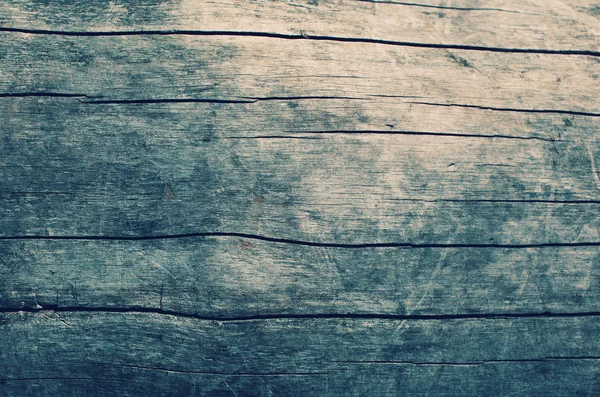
x: 259, y: 198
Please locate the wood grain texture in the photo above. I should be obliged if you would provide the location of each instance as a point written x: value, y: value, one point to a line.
x: 545, y: 24
x: 149, y: 170
x: 244, y: 68
x: 224, y: 277
x: 299, y: 198
x: 115, y: 354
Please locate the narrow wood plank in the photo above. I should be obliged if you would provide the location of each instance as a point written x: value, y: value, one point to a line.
x: 226, y: 277
x: 77, y: 354
x: 555, y: 24
x: 242, y: 69
x: 168, y: 169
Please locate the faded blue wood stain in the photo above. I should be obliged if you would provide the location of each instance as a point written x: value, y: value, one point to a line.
x: 309, y: 198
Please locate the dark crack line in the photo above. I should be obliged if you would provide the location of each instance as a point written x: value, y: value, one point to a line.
x: 554, y: 111
x: 312, y: 138
x: 238, y: 374
x: 306, y: 316
x: 443, y: 7
x: 167, y: 100
x: 428, y: 133
x: 496, y: 201
x: 472, y: 363
x: 301, y: 242
x: 300, y: 37
x: 243, y: 100
x: 300, y: 98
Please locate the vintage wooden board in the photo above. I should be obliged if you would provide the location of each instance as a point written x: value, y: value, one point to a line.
x: 299, y: 198
x: 114, y: 354
x: 550, y: 25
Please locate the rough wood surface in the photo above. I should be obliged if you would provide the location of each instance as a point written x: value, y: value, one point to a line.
x: 544, y: 24
x: 229, y: 277
x: 116, y: 354
x: 299, y: 198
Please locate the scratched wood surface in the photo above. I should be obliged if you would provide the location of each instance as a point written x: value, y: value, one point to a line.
x: 299, y: 198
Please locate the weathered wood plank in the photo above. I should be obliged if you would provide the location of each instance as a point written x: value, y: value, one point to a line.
x: 309, y: 198
x: 546, y: 24
x: 228, y: 277
x: 168, y: 169
x: 150, y: 67
x: 97, y: 353
x: 183, y: 130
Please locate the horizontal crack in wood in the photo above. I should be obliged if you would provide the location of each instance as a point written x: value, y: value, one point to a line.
x: 518, y: 110
x: 303, y: 242
x: 304, y: 36
x: 235, y: 374
x: 210, y: 100
x: 428, y: 133
x: 470, y: 363
x: 496, y: 201
x: 305, y: 316
x: 441, y: 7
